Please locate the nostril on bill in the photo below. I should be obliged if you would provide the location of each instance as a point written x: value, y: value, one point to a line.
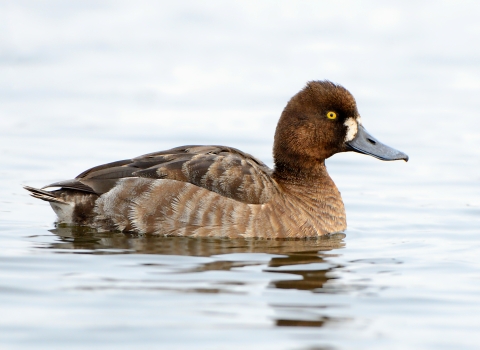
x: 373, y: 142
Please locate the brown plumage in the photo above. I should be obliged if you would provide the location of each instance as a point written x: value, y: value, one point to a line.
x: 221, y: 191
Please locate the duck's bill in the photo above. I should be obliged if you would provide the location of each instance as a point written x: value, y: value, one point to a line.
x: 367, y: 144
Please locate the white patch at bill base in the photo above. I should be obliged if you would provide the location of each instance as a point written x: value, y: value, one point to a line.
x: 352, y: 129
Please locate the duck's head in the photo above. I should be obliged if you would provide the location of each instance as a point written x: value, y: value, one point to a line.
x: 319, y: 121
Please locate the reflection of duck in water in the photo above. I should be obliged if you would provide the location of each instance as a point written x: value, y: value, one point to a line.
x: 85, y: 238
x: 294, y: 265
x: 293, y: 252
x: 221, y: 191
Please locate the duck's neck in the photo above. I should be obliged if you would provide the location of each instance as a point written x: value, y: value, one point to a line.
x: 312, y: 174
x: 312, y: 189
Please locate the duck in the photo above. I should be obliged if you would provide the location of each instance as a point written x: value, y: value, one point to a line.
x: 220, y: 191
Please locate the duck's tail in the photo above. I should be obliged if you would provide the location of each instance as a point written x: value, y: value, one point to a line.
x: 44, y: 195
x: 71, y: 206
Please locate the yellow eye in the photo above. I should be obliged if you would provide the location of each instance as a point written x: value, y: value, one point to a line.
x: 331, y: 115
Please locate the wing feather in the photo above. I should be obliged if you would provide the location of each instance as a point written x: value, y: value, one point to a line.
x: 224, y: 170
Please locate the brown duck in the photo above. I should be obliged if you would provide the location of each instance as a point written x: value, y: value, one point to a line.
x: 223, y: 192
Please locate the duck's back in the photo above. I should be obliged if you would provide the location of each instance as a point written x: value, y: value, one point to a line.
x: 224, y: 170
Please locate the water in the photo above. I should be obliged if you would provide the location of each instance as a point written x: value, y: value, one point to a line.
x: 86, y: 82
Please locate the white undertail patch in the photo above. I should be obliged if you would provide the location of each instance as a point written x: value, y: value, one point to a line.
x: 64, y: 212
x: 352, y: 129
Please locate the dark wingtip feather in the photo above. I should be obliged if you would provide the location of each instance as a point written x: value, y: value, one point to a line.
x: 71, y: 184
x: 43, y: 195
